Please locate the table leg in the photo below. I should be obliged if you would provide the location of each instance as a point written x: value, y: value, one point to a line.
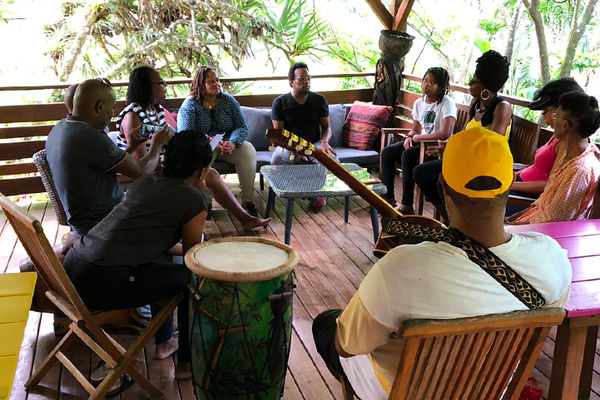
x: 375, y: 223
x: 346, y: 208
x: 567, y: 361
x: 587, y: 370
x: 289, y: 214
x: 270, y: 203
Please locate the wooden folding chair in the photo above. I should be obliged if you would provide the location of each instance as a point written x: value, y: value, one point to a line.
x: 480, y: 358
x: 84, y: 325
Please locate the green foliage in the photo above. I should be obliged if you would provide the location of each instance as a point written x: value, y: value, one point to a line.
x: 482, y: 45
x: 491, y: 27
x: 588, y: 60
x: 300, y: 31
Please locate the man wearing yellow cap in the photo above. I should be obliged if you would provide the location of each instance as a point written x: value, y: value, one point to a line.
x: 439, y: 279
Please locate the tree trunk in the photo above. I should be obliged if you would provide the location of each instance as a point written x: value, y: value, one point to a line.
x: 75, y: 50
x: 533, y: 7
x: 575, y: 36
x: 510, y: 43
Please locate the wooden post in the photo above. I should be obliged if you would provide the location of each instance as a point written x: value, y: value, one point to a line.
x: 394, y: 46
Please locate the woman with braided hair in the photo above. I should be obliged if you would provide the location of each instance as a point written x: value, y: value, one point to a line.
x: 434, y: 116
x: 213, y: 112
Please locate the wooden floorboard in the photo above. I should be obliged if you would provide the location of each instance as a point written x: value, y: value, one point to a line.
x: 334, y: 258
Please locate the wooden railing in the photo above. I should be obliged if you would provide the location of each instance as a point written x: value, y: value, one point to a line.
x: 23, y: 128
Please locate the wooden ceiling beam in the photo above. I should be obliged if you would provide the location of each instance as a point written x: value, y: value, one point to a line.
x: 382, y: 13
x: 401, y: 16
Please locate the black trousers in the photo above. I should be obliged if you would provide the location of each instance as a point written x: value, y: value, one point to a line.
x: 409, y: 159
x: 426, y: 176
x: 324, y: 329
x: 121, y: 287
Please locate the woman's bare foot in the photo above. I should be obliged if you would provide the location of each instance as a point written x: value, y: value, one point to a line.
x: 183, y: 370
x: 165, y: 349
x: 251, y: 222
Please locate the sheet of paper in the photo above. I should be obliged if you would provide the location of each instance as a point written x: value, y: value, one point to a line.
x: 215, y: 141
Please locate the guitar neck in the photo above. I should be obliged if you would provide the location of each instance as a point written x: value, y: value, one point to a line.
x: 383, y: 207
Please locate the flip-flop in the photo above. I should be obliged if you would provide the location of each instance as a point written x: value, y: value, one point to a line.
x: 120, y: 386
x: 99, y: 373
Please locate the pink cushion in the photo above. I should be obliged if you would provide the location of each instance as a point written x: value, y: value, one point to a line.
x: 363, y: 124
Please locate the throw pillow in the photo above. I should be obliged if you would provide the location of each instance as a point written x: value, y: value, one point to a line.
x: 363, y: 125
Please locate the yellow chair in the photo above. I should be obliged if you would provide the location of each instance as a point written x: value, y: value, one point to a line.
x: 16, y: 292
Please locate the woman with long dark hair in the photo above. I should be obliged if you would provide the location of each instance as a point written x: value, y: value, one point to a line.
x: 144, y: 113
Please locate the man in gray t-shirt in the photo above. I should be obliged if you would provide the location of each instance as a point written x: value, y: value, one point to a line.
x: 84, y: 161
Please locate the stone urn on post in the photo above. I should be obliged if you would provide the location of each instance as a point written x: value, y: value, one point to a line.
x: 394, y: 45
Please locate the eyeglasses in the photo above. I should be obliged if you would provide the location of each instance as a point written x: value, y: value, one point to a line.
x: 555, y: 116
x: 212, y: 81
x: 105, y: 81
x: 553, y: 110
x: 473, y: 82
x: 162, y: 82
x: 303, y: 79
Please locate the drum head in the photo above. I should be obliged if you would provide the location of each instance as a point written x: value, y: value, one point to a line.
x: 241, y: 259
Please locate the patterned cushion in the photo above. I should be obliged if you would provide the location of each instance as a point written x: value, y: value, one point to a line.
x: 363, y: 124
x: 41, y: 163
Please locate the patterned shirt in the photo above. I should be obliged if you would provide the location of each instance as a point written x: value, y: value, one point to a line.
x: 570, y: 190
x: 148, y: 117
x: 226, y: 118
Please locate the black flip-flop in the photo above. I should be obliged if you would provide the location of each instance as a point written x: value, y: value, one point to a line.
x: 120, y: 386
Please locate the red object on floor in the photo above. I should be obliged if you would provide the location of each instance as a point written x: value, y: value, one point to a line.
x: 532, y: 390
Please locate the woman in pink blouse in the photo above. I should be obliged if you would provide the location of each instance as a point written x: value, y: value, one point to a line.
x: 573, y: 181
x: 533, y: 179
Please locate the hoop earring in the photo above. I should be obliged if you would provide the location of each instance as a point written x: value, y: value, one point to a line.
x: 489, y: 94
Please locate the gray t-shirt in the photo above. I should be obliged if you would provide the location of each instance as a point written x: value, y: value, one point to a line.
x: 81, y: 161
x: 146, y: 224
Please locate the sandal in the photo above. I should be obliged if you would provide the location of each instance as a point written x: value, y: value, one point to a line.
x: 390, y: 201
x: 120, y: 386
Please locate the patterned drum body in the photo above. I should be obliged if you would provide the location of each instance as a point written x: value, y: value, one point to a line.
x: 240, y: 335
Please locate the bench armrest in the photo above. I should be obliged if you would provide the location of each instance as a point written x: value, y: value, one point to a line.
x: 386, y: 134
x: 520, y: 201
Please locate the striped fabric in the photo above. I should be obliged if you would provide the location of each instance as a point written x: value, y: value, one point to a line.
x: 147, y: 117
x: 363, y: 125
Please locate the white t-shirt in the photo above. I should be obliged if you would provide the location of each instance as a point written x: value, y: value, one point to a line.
x: 437, y: 281
x: 431, y: 116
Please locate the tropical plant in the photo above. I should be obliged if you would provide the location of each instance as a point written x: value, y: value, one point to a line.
x: 172, y: 35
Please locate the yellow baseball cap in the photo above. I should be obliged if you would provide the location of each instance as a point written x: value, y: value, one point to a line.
x: 478, y: 163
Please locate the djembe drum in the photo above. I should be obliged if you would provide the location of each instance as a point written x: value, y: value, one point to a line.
x: 241, y: 317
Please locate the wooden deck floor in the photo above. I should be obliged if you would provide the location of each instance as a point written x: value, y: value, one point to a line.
x: 334, y: 259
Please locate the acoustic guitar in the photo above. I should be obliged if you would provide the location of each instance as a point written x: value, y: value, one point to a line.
x: 414, y: 226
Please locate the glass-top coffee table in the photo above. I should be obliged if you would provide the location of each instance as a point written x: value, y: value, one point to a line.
x: 313, y: 180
